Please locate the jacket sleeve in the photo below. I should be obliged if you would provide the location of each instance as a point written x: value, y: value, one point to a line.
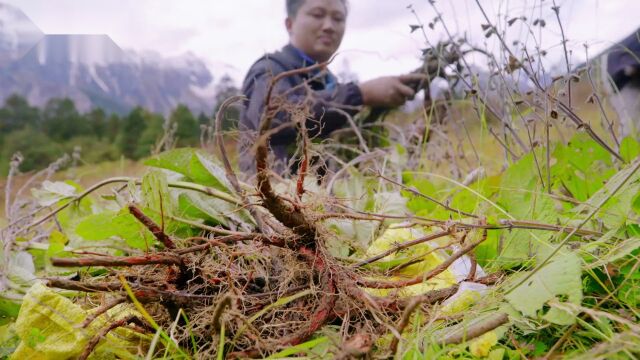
x: 322, y: 103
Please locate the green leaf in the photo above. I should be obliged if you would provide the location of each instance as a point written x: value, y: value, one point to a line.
x: 177, y: 160
x: 9, y: 340
x: 195, y: 205
x: 616, y: 251
x: 520, y: 245
x: 629, y: 293
x: 635, y: 204
x: 581, y: 167
x: 417, y: 204
x: 390, y: 203
x: 487, y: 252
x: 353, y: 189
x: 629, y: 148
x: 560, y: 277
x: 155, y: 193
x: 357, y: 233
x: 21, y: 269
x: 194, y: 165
x: 214, y: 171
x: 48, y: 326
x: 523, y: 195
x: 8, y: 310
x: 618, y: 208
x: 119, y: 224
x: 57, y: 241
x: 52, y: 192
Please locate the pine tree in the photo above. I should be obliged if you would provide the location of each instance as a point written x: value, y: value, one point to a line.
x: 133, y: 126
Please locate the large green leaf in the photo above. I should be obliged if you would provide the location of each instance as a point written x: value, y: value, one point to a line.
x: 390, y: 203
x: 207, y: 169
x: 417, y: 204
x: 353, y: 190
x: 522, y: 195
x: 559, y: 279
x: 119, y: 224
x: 198, y: 206
x: 195, y: 206
x: 177, y: 160
x: 193, y: 164
x: 48, y: 326
x: 618, y: 207
x: 582, y: 166
x: 357, y: 234
x: 487, y: 252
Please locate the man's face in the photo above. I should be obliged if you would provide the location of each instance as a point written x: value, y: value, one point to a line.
x: 318, y: 27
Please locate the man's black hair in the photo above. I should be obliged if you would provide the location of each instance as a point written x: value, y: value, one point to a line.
x: 294, y: 5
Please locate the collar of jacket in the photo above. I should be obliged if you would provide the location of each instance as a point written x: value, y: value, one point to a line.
x: 298, y: 59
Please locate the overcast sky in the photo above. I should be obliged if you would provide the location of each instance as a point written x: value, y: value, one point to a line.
x: 233, y: 33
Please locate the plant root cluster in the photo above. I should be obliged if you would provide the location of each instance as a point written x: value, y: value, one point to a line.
x: 266, y: 290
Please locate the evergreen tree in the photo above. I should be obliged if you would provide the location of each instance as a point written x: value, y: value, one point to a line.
x: 133, y: 125
x: 16, y: 114
x: 98, y: 122
x: 188, y: 131
x: 61, y: 121
x: 225, y: 89
x: 37, y: 149
x: 112, y: 128
x: 203, y: 119
x: 151, y: 135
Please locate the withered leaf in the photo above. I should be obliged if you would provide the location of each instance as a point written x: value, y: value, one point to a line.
x: 539, y: 22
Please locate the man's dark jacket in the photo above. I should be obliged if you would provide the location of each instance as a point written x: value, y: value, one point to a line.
x: 326, y: 95
x: 624, y: 60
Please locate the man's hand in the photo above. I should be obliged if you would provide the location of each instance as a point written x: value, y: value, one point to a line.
x: 390, y: 91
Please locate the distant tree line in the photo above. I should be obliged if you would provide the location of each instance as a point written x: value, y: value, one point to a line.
x: 43, y: 135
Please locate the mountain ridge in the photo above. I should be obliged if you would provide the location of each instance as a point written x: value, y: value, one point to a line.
x: 95, y: 72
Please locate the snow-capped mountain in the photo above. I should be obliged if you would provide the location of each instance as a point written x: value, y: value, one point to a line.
x: 18, y: 34
x: 94, y: 71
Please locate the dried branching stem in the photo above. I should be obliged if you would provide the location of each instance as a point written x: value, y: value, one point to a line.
x: 402, y: 246
x: 151, y: 259
x: 477, y: 329
x: 102, y: 333
x: 108, y: 305
x: 156, y: 230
